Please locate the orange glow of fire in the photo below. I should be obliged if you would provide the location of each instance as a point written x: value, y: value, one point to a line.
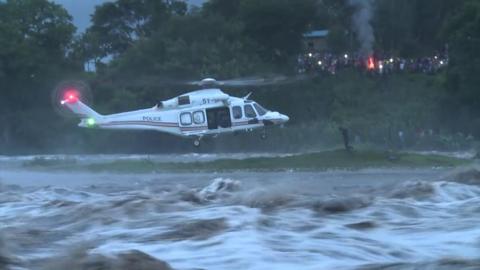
x: 371, y: 63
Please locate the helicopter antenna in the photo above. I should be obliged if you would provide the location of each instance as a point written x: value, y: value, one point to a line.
x: 247, y: 96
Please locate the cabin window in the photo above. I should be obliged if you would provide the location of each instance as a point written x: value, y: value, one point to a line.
x: 183, y: 100
x: 198, y: 117
x: 249, y: 112
x: 237, y: 112
x: 186, y: 119
x: 260, y: 110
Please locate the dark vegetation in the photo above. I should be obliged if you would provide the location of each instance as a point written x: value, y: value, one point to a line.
x: 152, y: 44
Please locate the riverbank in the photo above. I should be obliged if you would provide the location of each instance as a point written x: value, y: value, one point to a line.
x: 318, y: 161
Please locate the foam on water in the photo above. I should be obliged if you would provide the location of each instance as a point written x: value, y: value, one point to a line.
x: 229, y: 224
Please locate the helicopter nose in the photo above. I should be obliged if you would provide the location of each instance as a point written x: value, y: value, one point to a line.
x: 284, y: 118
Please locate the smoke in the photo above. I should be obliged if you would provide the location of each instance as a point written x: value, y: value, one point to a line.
x: 361, y: 24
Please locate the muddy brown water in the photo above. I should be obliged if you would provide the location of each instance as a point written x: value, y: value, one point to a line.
x: 368, y: 219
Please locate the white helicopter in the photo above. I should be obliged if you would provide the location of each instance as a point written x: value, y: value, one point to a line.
x: 197, y: 114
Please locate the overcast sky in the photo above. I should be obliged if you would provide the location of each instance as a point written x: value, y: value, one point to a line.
x: 81, y: 10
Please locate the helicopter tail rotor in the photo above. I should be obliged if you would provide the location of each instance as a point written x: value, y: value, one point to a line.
x: 69, y: 99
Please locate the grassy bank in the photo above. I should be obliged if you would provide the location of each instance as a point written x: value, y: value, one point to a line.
x: 320, y: 161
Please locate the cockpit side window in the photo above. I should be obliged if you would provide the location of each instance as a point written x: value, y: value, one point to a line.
x: 249, y: 111
x: 237, y: 112
x: 260, y: 110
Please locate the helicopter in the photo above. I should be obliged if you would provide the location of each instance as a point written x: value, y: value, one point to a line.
x: 197, y: 114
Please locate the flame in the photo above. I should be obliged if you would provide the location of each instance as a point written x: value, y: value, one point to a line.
x: 371, y: 63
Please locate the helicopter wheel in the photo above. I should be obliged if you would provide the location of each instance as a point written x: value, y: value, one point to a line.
x: 196, y: 143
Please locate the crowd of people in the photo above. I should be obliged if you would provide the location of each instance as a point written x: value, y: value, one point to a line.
x: 312, y: 62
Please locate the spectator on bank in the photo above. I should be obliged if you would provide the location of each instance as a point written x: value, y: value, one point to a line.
x: 346, y: 138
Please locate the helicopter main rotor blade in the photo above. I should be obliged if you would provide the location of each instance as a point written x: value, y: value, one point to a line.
x: 274, y: 80
x: 250, y: 81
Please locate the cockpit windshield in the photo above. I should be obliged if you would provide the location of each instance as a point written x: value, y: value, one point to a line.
x: 260, y: 110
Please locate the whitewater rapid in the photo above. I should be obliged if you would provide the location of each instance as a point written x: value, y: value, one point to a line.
x: 370, y: 219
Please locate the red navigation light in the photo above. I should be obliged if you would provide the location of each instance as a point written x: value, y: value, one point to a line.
x: 371, y: 63
x: 71, y: 96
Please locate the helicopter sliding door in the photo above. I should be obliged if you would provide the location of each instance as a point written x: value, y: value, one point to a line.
x: 218, y: 118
